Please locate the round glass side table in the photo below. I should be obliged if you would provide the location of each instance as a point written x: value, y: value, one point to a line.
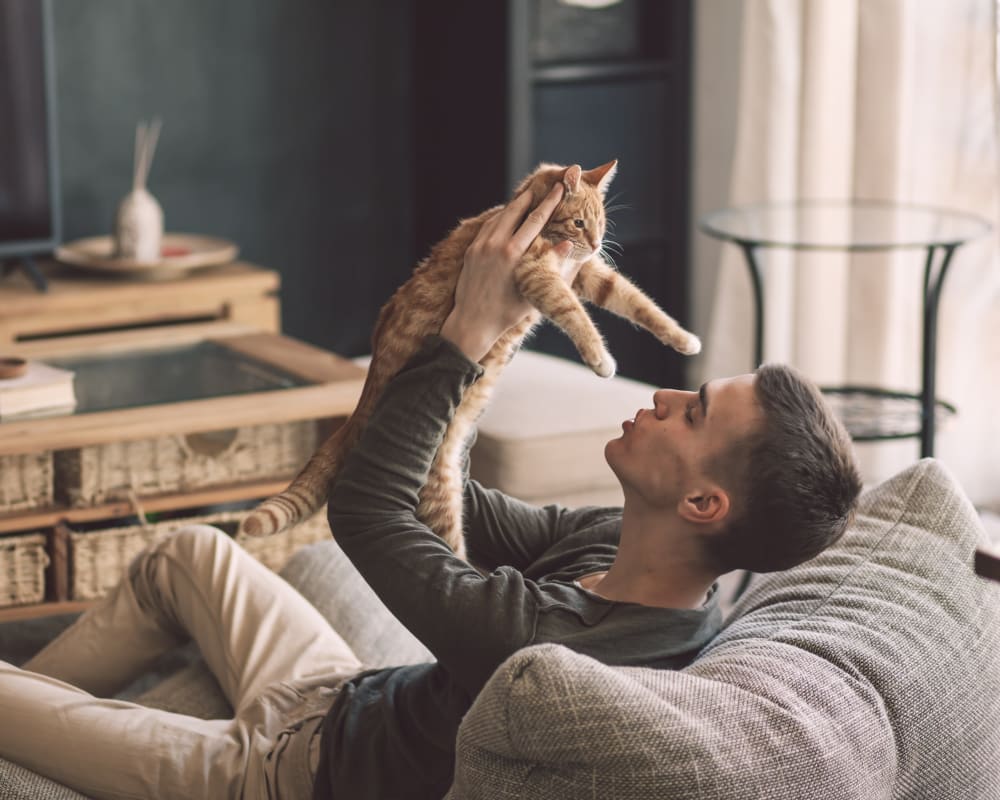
x: 869, y: 413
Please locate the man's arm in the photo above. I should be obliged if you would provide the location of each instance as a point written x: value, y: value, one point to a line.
x: 500, y: 530
x: 503, y: 531
x: 471, y: 622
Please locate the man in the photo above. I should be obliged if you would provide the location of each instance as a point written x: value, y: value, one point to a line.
x: 750, y: 472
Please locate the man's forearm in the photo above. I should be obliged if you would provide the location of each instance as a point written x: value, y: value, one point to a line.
x: 469, y: 621
x: 387, y: 469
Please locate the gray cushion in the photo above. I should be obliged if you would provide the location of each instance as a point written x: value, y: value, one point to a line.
x: 328, y: 580
x: 872, y: 671
x: 18, y: 783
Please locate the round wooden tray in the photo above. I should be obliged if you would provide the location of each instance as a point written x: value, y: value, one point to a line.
x: 181, y: 252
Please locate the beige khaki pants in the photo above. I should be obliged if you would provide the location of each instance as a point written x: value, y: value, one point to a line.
x: 276, y: 658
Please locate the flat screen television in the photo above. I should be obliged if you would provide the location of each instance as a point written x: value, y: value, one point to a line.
x: 29, y: 198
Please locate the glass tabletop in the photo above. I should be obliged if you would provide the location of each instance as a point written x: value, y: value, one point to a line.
x: 172, y: 375
x: 843, y: 225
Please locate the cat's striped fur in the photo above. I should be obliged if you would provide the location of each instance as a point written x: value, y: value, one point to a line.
x: 419, y: 308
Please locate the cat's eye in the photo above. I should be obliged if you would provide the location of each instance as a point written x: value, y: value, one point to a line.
x: 578, y: 223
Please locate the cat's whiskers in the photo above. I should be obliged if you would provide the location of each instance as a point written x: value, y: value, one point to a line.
x: 609, y: 200
x: 604, y: 254
x: 609, y: 242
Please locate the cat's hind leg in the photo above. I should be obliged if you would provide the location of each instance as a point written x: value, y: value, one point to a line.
x: 441, y: 498
x: 604, y: 286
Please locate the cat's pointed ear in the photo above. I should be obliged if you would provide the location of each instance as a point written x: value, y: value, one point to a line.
x: 571, y: 178
x: 601, y: 176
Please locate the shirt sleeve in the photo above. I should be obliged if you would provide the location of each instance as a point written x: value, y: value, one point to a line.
x: 470, y: 621
x: 503, y: 531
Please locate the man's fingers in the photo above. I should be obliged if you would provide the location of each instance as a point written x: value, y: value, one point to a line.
x: 508, y: 212
x: 535, y: 221
x: 506, y: 221
x: 500, y: 229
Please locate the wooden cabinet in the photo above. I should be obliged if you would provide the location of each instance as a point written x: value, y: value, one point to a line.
x: 501, y: 85
x: 170, y: 419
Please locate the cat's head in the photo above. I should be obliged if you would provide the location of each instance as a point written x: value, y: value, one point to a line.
x: 579, y: 216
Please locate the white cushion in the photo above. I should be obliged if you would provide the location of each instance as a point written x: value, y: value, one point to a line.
x: 543, y: 435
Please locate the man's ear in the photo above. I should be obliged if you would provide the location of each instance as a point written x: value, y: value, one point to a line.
x: 705, y: 505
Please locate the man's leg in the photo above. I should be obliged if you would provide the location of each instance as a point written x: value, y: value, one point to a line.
x: 110, y: 645
x: 253, y: 629
x: 108, y: 749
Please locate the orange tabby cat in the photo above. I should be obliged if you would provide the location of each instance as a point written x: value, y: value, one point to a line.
x: 419, y: 308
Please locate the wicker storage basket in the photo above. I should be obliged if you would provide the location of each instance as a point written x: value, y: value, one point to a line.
x: 274, y: 551
x: 98, y: 559
x: 180, y: 463
x: 22, y: 569
x: 25, y: 481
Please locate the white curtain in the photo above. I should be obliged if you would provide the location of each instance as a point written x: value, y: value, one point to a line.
x: 873, y: 99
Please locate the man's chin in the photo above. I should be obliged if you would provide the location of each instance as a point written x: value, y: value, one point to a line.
x: 611, y: 451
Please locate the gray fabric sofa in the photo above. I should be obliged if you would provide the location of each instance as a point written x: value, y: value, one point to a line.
x: 872, y: 671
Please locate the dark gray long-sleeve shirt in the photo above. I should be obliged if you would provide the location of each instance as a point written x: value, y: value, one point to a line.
x: 391, y: 732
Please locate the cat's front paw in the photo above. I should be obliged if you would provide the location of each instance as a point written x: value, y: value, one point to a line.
x: 606, y: 367
x: 689, y: 346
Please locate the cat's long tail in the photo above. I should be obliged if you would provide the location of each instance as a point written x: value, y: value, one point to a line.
x: 305, y: 495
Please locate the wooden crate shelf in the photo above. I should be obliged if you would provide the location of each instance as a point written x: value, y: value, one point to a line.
x: 77, y: 302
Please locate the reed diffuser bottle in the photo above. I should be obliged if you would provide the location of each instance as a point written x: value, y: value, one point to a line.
x: 138, y: 229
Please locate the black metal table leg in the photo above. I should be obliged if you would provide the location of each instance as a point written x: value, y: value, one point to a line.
x: 933, y: 282
x: 750, y: 254
x: 818, y: 225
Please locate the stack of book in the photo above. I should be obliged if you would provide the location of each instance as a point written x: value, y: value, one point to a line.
x: 36, y: 389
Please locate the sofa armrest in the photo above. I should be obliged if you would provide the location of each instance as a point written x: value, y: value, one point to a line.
x: 552, y: 723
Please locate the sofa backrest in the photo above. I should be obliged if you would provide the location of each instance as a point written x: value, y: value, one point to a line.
x: 872, y: 671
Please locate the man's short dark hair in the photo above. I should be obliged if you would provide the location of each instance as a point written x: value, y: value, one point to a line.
x: 794, y: 480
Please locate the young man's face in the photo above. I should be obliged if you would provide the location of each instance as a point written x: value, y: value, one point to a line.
x: 664, y: 451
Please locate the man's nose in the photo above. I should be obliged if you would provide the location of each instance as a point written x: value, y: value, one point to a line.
x: 665, y: 399
x: 661, y: 403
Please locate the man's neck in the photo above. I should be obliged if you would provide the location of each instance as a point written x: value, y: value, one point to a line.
x: 657, y: 565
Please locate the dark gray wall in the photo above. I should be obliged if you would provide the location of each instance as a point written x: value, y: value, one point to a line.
x: 286, y: 128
